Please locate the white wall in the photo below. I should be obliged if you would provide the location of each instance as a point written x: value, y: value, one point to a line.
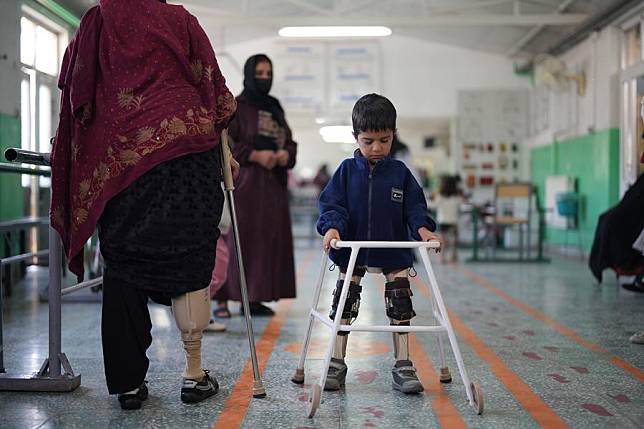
x: 573, y: 115
x: 421, y: 79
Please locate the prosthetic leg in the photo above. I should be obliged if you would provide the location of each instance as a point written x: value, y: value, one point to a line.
x: 337, y: 367
x: 400, y: 311
x: 192, y: 315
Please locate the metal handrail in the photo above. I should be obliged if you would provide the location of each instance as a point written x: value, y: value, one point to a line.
x: 27, y: 157
x: 8, y: 168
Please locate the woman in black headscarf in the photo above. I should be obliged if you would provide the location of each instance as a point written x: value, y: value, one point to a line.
x: 264, y: 147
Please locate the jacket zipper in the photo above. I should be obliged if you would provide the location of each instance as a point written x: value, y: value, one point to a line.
x: 369, y: 206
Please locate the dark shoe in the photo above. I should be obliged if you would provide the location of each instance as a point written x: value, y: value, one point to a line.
x: 193, y: 391
x: 132, y: 401
x: 636, y: 286
x: 405, y: 378
x: 258, y: 309
x: 337, y: 375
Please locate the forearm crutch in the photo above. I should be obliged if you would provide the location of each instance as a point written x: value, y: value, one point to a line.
x: 226, y: 155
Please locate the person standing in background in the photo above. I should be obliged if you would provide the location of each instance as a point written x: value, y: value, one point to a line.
x: 265, y: 149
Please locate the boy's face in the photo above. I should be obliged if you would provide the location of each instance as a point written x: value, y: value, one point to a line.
x: 375, y: 145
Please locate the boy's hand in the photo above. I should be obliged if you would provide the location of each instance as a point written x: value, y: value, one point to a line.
x: 282, y: 157
x: 330, y: 235
x: 427, y: 235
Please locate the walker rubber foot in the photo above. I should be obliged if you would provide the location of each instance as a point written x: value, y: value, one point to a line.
x: 298, y: 377
x: 258, y: 390
x: 445, y: 376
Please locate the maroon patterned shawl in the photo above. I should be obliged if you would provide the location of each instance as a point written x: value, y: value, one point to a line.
x: 140, y: 86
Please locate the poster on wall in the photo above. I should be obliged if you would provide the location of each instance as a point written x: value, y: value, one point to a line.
x: 491, y: 126
x: 300, y: 78
x: 354, y: 70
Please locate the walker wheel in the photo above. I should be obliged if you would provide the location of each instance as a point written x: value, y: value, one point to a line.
x: 477, y: 394
x: 314, y: 400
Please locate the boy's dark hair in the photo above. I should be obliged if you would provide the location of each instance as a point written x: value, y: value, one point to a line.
x: 373, y: 112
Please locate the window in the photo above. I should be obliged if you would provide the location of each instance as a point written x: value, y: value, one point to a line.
x: 41, y: 43
x: 632, y: 50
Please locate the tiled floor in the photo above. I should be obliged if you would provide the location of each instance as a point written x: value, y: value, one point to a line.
x: 549, y: 347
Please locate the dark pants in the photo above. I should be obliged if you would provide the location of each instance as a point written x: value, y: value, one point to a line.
x: 125, y: 331
x: 158, y: 238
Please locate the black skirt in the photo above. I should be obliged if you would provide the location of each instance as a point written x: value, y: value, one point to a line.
x: 160, y: 234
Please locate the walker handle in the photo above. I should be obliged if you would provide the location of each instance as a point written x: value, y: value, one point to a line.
x: 340, y: 244
x: 226, y: 156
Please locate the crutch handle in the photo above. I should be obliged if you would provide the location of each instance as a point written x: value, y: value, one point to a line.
x: 226, y: 156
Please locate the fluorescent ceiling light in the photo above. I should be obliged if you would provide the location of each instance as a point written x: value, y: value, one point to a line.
x: 335, y: 31
x: 337, y: 134
x: 320, y: 121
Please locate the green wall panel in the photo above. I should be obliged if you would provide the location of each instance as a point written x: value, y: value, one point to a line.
x: 11, y: 194
x: 593, y: 160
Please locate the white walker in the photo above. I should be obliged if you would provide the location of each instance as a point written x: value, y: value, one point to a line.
x: 473, y: 390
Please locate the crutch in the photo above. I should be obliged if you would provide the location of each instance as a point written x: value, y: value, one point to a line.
x: 226, y: 155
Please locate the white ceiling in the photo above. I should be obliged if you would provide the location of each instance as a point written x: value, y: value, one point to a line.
x: 508, y: 27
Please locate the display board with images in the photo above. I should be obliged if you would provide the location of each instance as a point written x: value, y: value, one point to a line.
x: 326, y: 76
x: 300, y: 77
x: 491, y: 126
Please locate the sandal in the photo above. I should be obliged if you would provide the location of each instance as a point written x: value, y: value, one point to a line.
x: 221, y: 312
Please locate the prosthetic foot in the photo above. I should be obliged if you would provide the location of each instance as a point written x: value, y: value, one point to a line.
x: 193, y: 391
x: 405, y: 378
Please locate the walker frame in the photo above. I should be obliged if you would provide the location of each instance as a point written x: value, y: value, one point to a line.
x: 473, y: 391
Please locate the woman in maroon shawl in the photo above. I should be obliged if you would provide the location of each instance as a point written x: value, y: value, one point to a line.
x: 143, y: 104
x: 266, y: 151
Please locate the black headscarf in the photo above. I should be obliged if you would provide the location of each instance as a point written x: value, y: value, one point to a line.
x: 253, y: 93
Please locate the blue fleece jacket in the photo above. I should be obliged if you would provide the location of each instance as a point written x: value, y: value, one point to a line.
x: 383, y: 204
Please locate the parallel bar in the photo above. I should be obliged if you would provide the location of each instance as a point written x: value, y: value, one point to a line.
x: 55, y: 280
x: 8, y: 168
x: 79, y: 286
x: 25, y: 222
x: 27, y: 157
x: 1, y: 323
x: 24, y: 257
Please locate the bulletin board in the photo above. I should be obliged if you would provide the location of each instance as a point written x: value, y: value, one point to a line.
x: 491, y: 126
x: 300, y: 78
x: 326, y: 76
x: 354, y: 70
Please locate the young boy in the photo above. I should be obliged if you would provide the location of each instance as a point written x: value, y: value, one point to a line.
x: 373, y: 197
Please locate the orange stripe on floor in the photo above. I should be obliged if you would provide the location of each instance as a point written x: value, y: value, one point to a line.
x: 529, y: 400
x: 236, y: 406
x: 563, y: 330
x: 447, y: 414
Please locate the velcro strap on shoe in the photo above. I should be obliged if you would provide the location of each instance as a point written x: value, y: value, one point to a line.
x: 406, y: 368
